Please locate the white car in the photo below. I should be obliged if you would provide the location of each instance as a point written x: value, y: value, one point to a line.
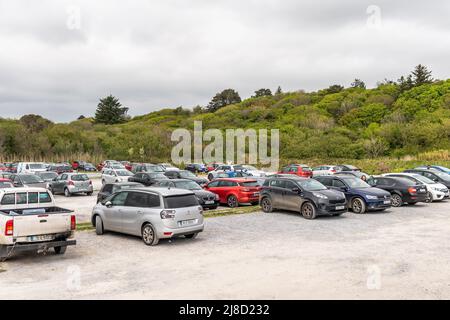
x: 324, y: 170
x: 436, y: 191
x: 31, y: 167
x: 115, y: 175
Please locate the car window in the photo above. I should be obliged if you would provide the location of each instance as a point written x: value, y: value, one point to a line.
x: 119, y: 199
x: 289, y: 185
x: 276, y: 183
x: 44, y: 197
x: 33, y: 197
x: 249, y: 184
x: 80, y: 177
x: 64, y: 177
x: 8, y: 199
x: 180, y: 201
x: 136, y: 199
x: 213, y: 184
x: 430, y: 176
x: 338, y: 183
x: 21, y: 198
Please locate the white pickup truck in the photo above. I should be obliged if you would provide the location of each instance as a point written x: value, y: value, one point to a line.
x: 30, y: 221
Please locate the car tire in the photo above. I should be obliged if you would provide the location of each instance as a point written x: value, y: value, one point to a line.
x: 308, y: 211
x: 99, y: 230
x: 67, y: 193
x: 266, y: 205
x: 232, y: 201
x: 429, y: 198
x: 210, y: 177
x: 191, y: 236
x: 89, y: 194
x: 358, y: 206
x: 149, y: 235
x: 60, y: 250
x: 397, y: 200
x: 103, y: 181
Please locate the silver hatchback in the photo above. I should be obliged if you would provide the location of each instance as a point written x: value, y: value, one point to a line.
x: 150, y: 213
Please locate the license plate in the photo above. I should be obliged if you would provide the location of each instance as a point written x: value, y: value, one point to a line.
x: 256, y: 194
x: 340, y: 208
x: 40, y: 238
x: 387, y: 202
x: 209, y: 202
x: 187, y: 222
x: 422, y: 190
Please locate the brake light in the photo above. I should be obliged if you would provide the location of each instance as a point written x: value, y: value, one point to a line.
x: 73, y: 222
x: 200, y: 209
x: 71, y: 183
x: 9, y: 228
x: 412, y: 190
x: 333, y: 171
x: 167, y: 214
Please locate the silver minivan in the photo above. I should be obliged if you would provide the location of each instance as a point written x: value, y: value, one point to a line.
x: 150, y: 213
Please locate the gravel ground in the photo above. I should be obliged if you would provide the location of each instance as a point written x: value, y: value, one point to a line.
x: 401, y: 254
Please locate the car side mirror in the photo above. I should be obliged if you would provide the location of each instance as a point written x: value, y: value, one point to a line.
x: 108, y: 204
x: 297, y: 190
x: 344, y: 189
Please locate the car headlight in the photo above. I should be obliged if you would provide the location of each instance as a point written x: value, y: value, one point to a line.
x: 320, y: 196
x: 372, y: 197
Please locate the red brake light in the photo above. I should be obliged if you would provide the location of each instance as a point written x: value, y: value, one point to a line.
x: 412, y: 190
x: 73, y: 222
x: 9, y: 228
x: 71, y: 183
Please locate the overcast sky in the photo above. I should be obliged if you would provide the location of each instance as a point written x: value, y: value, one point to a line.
x: 57, y: 58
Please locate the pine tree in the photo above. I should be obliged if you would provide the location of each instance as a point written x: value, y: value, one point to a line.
x: 110, y: 111
x: 279, y: 91
x: 222, y: 99
x: 421, y: 75
x: 358, y: 83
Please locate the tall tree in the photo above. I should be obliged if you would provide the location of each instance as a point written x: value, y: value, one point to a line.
x: 335, y: 88
x: 34, y: 123
x: 421, y: 75
x: 262, y: 93
x: 110, y: 111
x: 405, y: 84
x: 222, y: 99
x: 279, y: 90
x: 358, y: 83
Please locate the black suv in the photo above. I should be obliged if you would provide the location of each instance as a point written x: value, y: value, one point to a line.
x: 402, y: 190
x: 110, y: 188
x: 185, y: 174
x: 307, y: 196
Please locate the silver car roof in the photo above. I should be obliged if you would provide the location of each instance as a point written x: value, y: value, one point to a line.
x: 164, y: 191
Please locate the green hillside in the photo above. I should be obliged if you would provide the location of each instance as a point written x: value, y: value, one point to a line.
x: 354, y: 123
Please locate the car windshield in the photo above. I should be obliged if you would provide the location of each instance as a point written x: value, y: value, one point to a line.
x: 31, y: 179
x: 190, y: 185
x: 154, y: 168
x: 311, y: 185
x: 158, y: 176
x: 305, y: 168
x: 423, y: 179
x: 124, y: 173
x: 187, y: 174
x: 356, y: 183
x: 442, y: 175
x: 117, y: 166
x: 80, y: 177
x: 180, y: 201
x: 37, y: 166
x: 48, y: 175
x: 252, y: 168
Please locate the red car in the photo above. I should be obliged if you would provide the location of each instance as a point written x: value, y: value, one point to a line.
x: 301, y: 170
x: 234, y: 191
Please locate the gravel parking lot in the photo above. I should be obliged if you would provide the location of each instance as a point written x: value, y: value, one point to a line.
x: 402, y: 254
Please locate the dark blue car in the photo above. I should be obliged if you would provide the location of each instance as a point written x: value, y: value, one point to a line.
x: 361, y: 197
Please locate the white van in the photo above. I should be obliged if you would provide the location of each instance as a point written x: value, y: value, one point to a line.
x: 31, y: 167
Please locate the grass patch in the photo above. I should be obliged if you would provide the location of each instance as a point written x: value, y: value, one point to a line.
x: 87, y: 226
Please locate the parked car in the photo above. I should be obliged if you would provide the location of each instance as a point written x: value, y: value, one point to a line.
x: 307, y: 196
x: 402, y: 190
x: 358, y: 174
x: 5, y: 183
x: 212, y: 166
x: 71, y: 183
x: 168, y: 167
x: 147, y: 178
x: 110, y: 188
x: 83, y: 166
x: 436, y: 191
x: 436, y: 176
x: 301, y: 170
x: 115, y: 175
x: 30, y: 167
x: 11, y: 167
x: 47, y: 176
x: 60, y: 168
x: 150, y: 213
x: 3, y: 167
x: 434, y: 167
x: 106, y: 163
x: 185, y: 174
x: 206, y: 199
x: 126, y: 164
x: 6, y: 175
x: 235, y: 191
x: 148, y: 167
x: 30, y: 221
x: 347, y: 167
x: 361, y: 197
x: 196, y: 167
x: 22, y: 180
x: 324, y: 170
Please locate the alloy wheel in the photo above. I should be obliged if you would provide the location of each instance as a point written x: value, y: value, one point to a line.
x: 148, y: 235
x: 396, y: 200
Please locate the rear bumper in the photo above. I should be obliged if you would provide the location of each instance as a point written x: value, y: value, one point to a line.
x: 73, y: 189
x: 167, y: 233
x: 5, y: 251
x: 416, y: 198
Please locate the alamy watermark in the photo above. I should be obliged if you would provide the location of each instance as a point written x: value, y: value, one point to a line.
x: 228, y: 146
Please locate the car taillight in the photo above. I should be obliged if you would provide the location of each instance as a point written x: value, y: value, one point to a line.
x: 200, y: 209
x: 333, y: 171
x: 9, y: 228
x: 71, y: 183
x: 167, y: 214
x: 73, y: 222
x: 217, y: 197
x: 412, y: 190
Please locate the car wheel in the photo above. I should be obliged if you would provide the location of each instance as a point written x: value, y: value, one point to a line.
x: 103, y: 181
x: 99, y: 226
x: 309, y: 211
x: 149, y: 235
x: 67, y: 192
x: 60, y: 250
x: 210, y: 177
x: 232, y: 201
x: 89, y: 194
x: 191, y: 236
x: 429, y: 198
x: 358, y: 205
x: 396, y: 200
x: 266, y: 205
